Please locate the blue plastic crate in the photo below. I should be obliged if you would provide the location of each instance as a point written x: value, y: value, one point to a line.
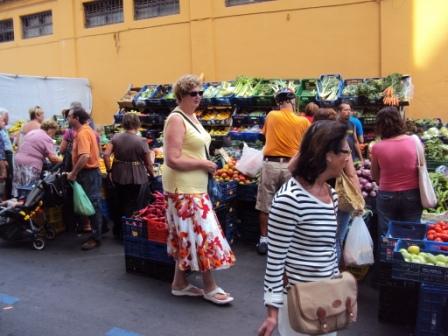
x: 352, y: 99
x: 242, y: 101
x: 227, y: 220
x: 142, y: 102
x: 419, y: 272
x: 134, y: 228
x: 222, y: 101
x: 227, y: 190
x: 400, y: 230
x: 432, y: 315
x: 147, y: 249
x: 329, y: 103
x: 247, y: 192
x: 251, y: 136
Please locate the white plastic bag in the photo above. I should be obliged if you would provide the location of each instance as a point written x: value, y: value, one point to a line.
x: 358, y: 250
x: 250, y: 162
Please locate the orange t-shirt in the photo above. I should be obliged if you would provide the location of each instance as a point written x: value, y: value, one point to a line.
x: 283, y: 131
x: 85, y: 143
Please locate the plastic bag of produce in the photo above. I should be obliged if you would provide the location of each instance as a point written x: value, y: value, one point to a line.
x: 81, y: 202
x: 250, y: 162
x: 358, y: 248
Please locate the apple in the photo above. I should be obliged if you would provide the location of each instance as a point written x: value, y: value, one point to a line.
x: 414, y: 249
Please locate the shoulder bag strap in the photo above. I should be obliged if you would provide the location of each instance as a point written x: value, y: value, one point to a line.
x: 418, y: 148
x: 195, y: 127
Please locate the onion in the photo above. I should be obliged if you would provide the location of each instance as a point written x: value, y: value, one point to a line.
x: 358, y: 172
x: 366, y: 172
x: 368, y: 186
x: 364, y: 194
x: 367, y: 163
x: 372, y: 194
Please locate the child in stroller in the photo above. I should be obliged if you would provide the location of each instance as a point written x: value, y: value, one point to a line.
x: 17, y: 216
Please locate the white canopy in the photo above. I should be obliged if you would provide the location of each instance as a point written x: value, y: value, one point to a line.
x: 19, y: 93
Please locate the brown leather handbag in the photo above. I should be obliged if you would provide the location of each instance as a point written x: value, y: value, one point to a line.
x: 324, y: 306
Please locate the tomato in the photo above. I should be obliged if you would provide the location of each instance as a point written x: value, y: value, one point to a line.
x: 431, y: 232
x: 444, y: 248
x: 438, y: 239
x: 431, y: 236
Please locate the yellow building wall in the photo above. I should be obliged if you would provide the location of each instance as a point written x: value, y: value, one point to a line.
x: 277, y: 39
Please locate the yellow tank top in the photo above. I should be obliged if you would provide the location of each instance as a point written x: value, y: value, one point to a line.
x: 193, y: 181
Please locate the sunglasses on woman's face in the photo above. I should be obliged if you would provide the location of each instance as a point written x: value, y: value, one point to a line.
x: 346, y: 151
x: 195, y: 93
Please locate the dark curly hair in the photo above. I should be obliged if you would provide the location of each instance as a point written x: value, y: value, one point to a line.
x: 322, y: 137
x: 389, y: 123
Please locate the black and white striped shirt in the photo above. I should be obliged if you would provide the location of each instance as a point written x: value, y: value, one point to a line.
x: 302, y: 240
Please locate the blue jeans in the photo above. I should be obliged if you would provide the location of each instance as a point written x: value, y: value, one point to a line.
x: 90, y: 180
x: 399, y: 206
x: 343, y: 219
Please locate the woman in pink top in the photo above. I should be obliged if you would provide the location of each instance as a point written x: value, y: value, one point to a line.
x: 394, y: 166
x: 36, y: 147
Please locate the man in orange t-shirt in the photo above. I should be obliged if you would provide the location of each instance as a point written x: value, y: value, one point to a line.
x: 85, y: 156
x: 283, y: 131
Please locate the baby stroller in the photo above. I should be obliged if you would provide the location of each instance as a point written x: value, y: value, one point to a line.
x: 18, y: 217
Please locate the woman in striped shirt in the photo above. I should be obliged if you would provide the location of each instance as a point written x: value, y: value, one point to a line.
x: 302, y: 221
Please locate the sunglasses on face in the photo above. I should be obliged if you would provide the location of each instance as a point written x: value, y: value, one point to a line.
x: 195, y: 93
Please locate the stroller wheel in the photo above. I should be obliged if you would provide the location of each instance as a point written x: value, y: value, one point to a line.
x: 38, y: 244
x: 50, y: 233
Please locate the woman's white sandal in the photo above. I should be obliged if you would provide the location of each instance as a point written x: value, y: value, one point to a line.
x: 190, y: 290
x: 210, y: 296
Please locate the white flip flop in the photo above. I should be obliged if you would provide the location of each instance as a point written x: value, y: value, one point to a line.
x: 190, y: 290
x: 210, y: 296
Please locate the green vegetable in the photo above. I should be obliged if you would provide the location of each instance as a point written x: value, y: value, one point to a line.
x: 329, y: 87
x: 440, y: 184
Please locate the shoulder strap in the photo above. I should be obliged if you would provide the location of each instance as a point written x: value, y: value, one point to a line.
x: 195, y: 127
x: 187, y: 119
x: 418, y: 147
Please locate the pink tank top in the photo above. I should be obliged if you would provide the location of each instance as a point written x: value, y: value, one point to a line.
x: 397, y: 159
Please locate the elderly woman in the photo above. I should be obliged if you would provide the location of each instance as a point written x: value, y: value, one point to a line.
x: 195, y: 239
x: 302, y: 221
x: 36, y: 147
x: 130, y: 169
x: 36, y: 119
x: 394, y: 166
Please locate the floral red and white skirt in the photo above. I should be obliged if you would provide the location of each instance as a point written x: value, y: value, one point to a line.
x: 195, y: 239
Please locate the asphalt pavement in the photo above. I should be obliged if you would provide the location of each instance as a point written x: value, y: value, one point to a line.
x: 65, y: 291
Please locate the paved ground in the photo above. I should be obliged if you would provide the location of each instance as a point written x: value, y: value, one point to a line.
x: 65, y: 291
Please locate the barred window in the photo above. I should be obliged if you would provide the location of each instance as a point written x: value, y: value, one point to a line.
x: 144, y: 9
x: 38, y: 24
x: 103, y: 12
x: 242, y: 2
x: 6, y: 30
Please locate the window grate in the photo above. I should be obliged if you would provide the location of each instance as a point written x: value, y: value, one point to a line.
x: 6, y: 30
x: 38, y: 24
x: 144, y: 9
x: 242, y: 2
x: 103, y: 12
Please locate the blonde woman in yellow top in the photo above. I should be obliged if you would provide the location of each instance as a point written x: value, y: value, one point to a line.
x: 195, y: 238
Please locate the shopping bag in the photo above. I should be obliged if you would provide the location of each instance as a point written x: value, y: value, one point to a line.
x: 81, y: 202
x: 250, y: 162
x: 350, y: 199
x: 358, y: 248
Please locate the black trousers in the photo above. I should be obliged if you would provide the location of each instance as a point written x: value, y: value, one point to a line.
x: 124, y: 204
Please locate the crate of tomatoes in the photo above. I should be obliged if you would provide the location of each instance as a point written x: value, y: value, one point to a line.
x: 438, y: 232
